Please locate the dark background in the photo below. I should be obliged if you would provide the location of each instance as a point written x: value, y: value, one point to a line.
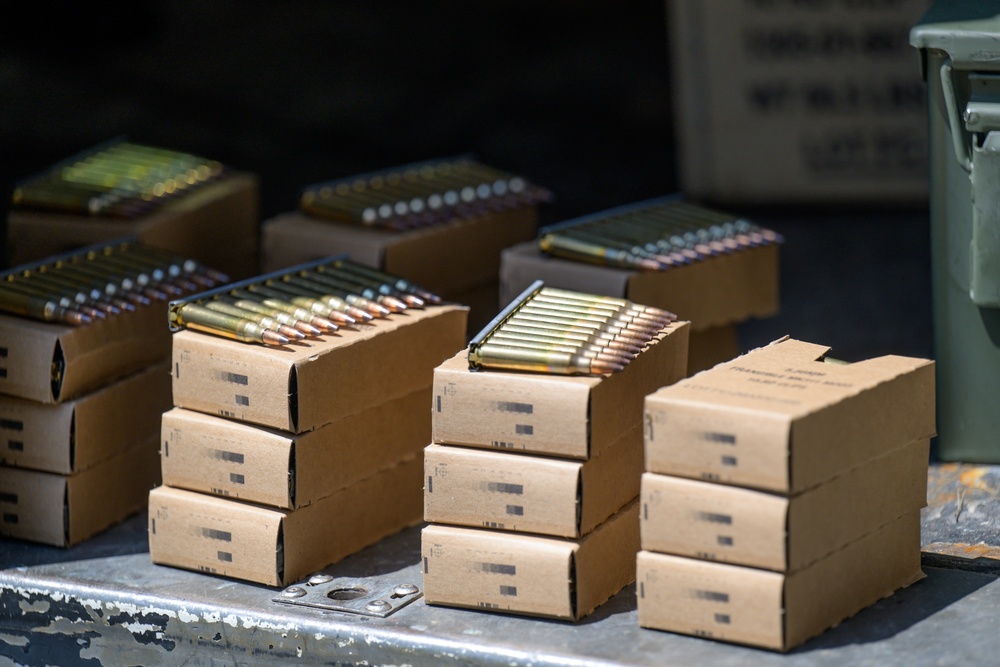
x: 574, y: 95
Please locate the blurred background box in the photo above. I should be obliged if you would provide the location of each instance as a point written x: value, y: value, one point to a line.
x: 782, y: 101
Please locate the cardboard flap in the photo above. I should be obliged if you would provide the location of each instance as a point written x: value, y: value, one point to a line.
x: 289, y: 237
x: 484, y: 569
x: 712, y: 600
x: 611, y: 479
x: 230, y: 537
x: 605, y: 559
x: 524, y: 263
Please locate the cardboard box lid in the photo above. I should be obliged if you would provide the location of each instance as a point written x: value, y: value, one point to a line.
x: 446, y: 259
x: 722, y: 290
x: 527, y: 493
x: 300, y: 387
x: 771, y: 609
x: 275, y: 546
x: 64, y: 510
x: 780, y: 418
x: 560, y: 415
x: 262, y: 465
x: 527, y: 574
x: 73, y: 436
x: 768, y: 530
x: 89, y: 356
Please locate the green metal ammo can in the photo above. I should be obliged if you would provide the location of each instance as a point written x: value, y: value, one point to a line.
x: 959, y: 43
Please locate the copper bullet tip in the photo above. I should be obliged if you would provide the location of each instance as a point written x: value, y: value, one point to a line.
x: 273, y: 338
x: 413, y: 300
x: 75, y: 318
x: 291, y: 332
x: 599, y: 366
x: 324, y: 324
x: 307, y: 328
x: 342, y: 319
x: 377, y: 310
x: 651, y: 264
x: 359, y: 314
x: 393, y: 304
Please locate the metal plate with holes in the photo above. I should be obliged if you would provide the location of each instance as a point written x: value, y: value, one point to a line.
x: 368, y: 597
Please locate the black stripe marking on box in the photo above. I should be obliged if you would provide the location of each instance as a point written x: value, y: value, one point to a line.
x: 713, y: 517
x: 516, y: 510
x: 242, y: 400
x: 728, y: 460
x: 430, y: 483
x: 499, y: 568
x: 501, y: 487
x: 524, y: 429
x: 4, y: 352
x: 237, y: 478
x: 722, y: 618
x: 510, y: 591
x: 721, y: 438
x: 8, y: 498
x: 225, y: 556
x: 10, y: 517
x: 231, y: 457
x: 439, y: 403
x: 15, y: 445
x: 519, y: 408
x: 724, y: 540
x: 213, y: 534
x: 12, y: 424
x: 712, y: 596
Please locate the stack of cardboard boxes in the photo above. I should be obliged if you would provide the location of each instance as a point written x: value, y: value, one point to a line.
x: 79, y: 422
x: 782, y: 493
x: 278, y: 461
x: 531, y: 483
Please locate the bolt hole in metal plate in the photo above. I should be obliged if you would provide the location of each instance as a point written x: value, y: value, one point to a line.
x: 367, y: 597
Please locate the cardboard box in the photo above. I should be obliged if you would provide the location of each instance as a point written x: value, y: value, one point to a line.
x: 712, y: 346
x: 483, y: 302
x: 530, y: 494
x: 275, y: 547
x: 779, y: 418
x: 773, y: 610
x: 559, y: 415
x: 745, y: 527
x: 73, y: 436
x: 65, y: 510
x: 217, y: 224
x: 302, y: 386
x: 527, y: 574
x: 723, y: 290
x: 51, y: 363
x: 792, y: 102
x: 236, y: 460
x: 446, y: 259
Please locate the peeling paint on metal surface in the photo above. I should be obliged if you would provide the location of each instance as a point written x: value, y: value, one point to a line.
x: 36, y: 607
x: 13, y: 640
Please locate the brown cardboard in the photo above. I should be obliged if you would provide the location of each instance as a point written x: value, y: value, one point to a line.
x: 779, y: 418
x: 262, y: 465
x: 483, y: 302
x: 712, y: 346
x: 73, y: 436
x: 722, y: 290
x: 530, y: 494
x: 773, y: 610
x: 273, y: 546
x: 569, y: 416
x: 792, y: 102
x: 446, y: 259
x: 65, y: 510
x: 528, y: 574
x: 92, y: 355
x: 216, y: 224
x: 304, y: 385
x: 767, y: 530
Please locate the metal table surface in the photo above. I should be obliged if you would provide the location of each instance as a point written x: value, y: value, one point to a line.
x: 104, y: 603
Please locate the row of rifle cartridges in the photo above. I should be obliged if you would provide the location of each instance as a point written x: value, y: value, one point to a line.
x: 654, y: 237
x: 309, y: 300
x: 419, y: 195
x: 562, y: 332
x: 118, y: 180
x: 101, y: 281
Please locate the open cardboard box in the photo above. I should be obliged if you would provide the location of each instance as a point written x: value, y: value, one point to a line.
x: 304, y: 385
x: 275, y: 547
x: 228, y: 458
x: 447, y: 259
x: 51, y: 363
x: 741, y: 526
x: 75, y: 435
x: 558, y: 415
x: 530, y: 494
x: 64, y: 510
x: 781, y: 419
x: 216, y: 224
x: 527, y: 574
x: 772, y: 609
